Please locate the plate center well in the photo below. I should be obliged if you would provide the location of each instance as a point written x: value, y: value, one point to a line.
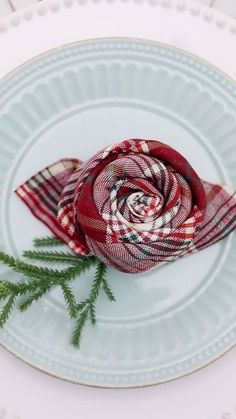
x: 82, y: 132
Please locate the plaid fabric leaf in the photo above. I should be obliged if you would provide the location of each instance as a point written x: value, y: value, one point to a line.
x: 136, y: 205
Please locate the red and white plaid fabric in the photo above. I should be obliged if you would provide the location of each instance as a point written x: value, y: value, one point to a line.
x: 136, y: 205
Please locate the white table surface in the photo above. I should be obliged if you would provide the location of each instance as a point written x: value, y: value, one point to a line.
x: 165, y: 401
x: 33, y: 391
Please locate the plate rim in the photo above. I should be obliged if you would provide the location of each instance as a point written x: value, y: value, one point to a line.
x: 124, y: 39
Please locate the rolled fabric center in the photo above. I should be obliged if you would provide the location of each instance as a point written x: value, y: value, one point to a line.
x: 144, y: 206
x: 141, y: 193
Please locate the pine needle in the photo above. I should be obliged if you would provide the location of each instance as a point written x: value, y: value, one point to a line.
x: 84, y: 265
x: 81, y: 305
x: 27, y: 269
x: 55, y: 256
x: 92, y: 314
x: 40, y: 279
x: 7, y: 288
x: 6, y: 310
x: 99, y: 277
x: 4, y: 291
x: 107, y: 290
x: 35, y: 296
x: 69, y: 300
x: 86, y: 309
x: 49, y: 241
x: 38, y: 272
x: 79, y: 326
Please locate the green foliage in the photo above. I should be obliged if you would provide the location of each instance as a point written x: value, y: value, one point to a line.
x: 47, y: 242
x: 87, y: 307
x: 28, y: 269
x: 69, y: 300
x: 40, y: 279
x: 6, y: 310
x: 34, y: 296
x: 55, y: 256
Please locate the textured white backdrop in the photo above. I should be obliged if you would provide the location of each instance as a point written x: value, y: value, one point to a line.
x: 8, y: 6
x: 34, y: 395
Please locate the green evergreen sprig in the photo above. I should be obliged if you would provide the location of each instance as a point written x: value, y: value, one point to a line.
x: 48, y: 241
x: 39, y: 280
x: 87, y: 307
x: 55, y: 256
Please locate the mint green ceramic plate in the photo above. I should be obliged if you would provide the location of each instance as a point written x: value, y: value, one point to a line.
x: 72, y: 102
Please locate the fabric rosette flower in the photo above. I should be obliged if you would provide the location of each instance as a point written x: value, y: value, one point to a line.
x: 136, y: 205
